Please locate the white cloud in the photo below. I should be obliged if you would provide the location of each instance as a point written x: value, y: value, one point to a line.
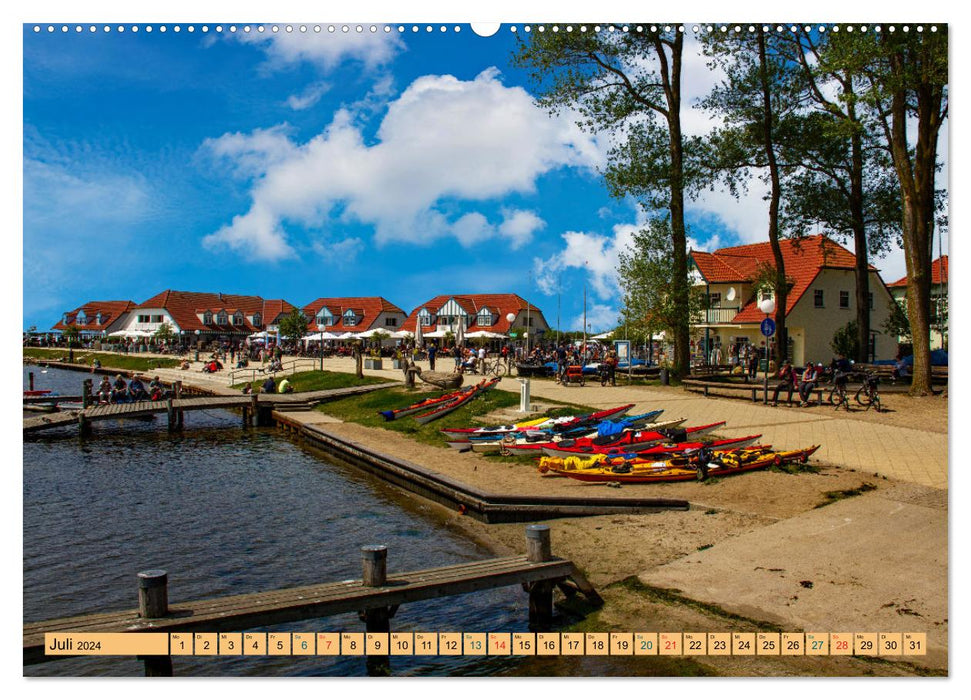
x: 443, y: 139
x: 600, y: 318
x: 309, y: 97
x: 339, y: 253
x: 324, y: 49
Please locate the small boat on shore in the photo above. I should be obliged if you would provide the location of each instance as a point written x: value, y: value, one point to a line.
x: 629, y: 440
x: 545, y: 423
x: 424, y: 405
x: 656, y: 450
x: 440, y: 410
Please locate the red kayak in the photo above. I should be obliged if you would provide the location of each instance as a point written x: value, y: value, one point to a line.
x: 425, y: 405
x: 36, y: 392
x: 666, y: 448
x: 629, y: 441
x: 442, y: 409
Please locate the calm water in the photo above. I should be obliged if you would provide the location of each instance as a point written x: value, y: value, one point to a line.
x: 227, y: 511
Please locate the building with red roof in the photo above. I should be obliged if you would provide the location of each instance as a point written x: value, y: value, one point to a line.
x: 207, y: 316
x: 96, y: 318
x: 340, y: 315
x: 940, y: 275
x: 478, y: 312
x: 821, y: 297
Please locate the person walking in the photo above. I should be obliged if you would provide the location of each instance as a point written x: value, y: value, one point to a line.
x: 432, y: 351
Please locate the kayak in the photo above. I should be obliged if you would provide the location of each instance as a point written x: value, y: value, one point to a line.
x: 544, y: 423
x: 632, y: 438
x: 527, y: 439
x: 604, y: 469
x: 443, y: 409
x: 665, y: 448
x: 36, y: 392
x: 603, y: 427
x: 424, y: 405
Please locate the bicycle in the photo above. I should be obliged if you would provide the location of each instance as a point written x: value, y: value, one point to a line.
x: 837, y: 395
x: 868, y: 395
x: 496, y: 367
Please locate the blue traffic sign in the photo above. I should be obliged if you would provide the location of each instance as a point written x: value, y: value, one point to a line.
x: 768, y: 328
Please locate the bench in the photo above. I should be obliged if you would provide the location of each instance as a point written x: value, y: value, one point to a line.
x: 754, y: 389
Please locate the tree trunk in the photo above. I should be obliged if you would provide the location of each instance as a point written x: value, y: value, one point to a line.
x: 358, y: 362
x: 862, y: 269
x: 781, y: 290
x: 672, y: 89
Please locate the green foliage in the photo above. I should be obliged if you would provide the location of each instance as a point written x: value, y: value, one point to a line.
x: 647, y: 276
x: 164, y: 333
x: 846, y: 341
x: 897, y: 323
x: 72, y: 334
x: 294, y: 325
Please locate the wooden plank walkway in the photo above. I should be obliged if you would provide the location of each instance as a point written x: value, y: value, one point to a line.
x: 537, y: 571
x: 142, y: 408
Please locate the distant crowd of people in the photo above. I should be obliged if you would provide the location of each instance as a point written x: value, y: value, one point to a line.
x: 120, y: 391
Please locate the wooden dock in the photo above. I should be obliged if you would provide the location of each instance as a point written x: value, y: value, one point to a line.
x: 379, y: 595
x: 251, y: 404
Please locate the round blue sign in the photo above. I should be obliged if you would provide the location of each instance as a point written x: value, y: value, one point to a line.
x: 768, y: 327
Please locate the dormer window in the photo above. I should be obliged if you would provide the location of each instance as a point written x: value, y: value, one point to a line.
x: 98, y: 319
x: 64, y: 319
x: 222, y: 318
x: 82, y: 319
x: 257, y: 320
x: 425, y: 317
x: 207, y: 318
x: 485, y: 318
x: 325, y: 317
x: 350, y: 318
x: 238, y: 318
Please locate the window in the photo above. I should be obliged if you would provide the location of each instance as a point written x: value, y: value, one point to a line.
x: 715, y: 299
x: 844, y: 299
x: 391, y: 321
x: 485, y: 318
x: 238, y: 318
x: 425, y: 317
x: 350, y: 318
x: 157, y: 319
x: 222, y: 318
x: 98, y: 318
x: 145, y: 319
x: 257, y: 320
x: 818, y: 298
x: 206, y: 318
x: 82, y: 319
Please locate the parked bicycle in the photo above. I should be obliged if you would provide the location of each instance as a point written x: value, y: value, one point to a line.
x: 496, y: 367
x: 869, y: 395
x: 837, y: 394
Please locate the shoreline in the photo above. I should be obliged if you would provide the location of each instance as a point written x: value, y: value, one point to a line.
x: 621, y: 553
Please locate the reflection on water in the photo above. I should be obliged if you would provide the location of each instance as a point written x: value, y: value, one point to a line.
x: 227, y: 511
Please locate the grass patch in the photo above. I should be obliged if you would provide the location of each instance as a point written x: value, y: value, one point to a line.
x: 315, y: 380
x: 108, y: 360
x: 833, y: 496
x: 364, y: 411
x: 795, y: 468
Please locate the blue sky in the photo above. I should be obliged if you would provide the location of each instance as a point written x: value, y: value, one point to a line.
x: 305, y: 164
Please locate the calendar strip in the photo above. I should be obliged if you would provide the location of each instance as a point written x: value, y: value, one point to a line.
x: 487, y: 644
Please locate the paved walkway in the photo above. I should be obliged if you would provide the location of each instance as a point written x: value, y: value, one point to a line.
x: 907, y: 454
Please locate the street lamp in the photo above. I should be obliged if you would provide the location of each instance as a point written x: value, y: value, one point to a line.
x: 197, y: 345
x: 767, y: 306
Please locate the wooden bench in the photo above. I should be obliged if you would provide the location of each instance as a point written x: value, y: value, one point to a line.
x: 753, y: 389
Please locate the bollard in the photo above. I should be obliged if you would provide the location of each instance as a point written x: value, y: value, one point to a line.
x: 153, y: 602
x: 540, y: 592
x: 374, y: 561
x: 524, y: 395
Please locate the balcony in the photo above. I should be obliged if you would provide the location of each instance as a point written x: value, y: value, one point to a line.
x: 720, y: 315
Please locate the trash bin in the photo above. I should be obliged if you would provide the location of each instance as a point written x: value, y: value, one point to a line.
x: 665, y: 379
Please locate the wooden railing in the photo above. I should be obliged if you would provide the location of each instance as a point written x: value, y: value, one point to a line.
x: 249, y: 374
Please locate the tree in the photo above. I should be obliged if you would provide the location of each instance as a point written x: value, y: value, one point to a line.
x: 845, y: 180
x: 628, y: 85
x: 164, y: 332
x: 647, y: 273
x: 897, y: 323
x: 845, y: 340
x: 759, y: 106
x: 71, y: 334
x: 294, y: 325
x: 905, y: 75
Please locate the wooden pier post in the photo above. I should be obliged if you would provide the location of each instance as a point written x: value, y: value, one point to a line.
x: 250, y: 415
x: 171, y: 414
x: 540, y: 592
x: 86, y: 386
x: 177, y: 388
x: 374, y: 561
x: 153, y: 602
x: 30, y: 381
x: 84, y: 425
